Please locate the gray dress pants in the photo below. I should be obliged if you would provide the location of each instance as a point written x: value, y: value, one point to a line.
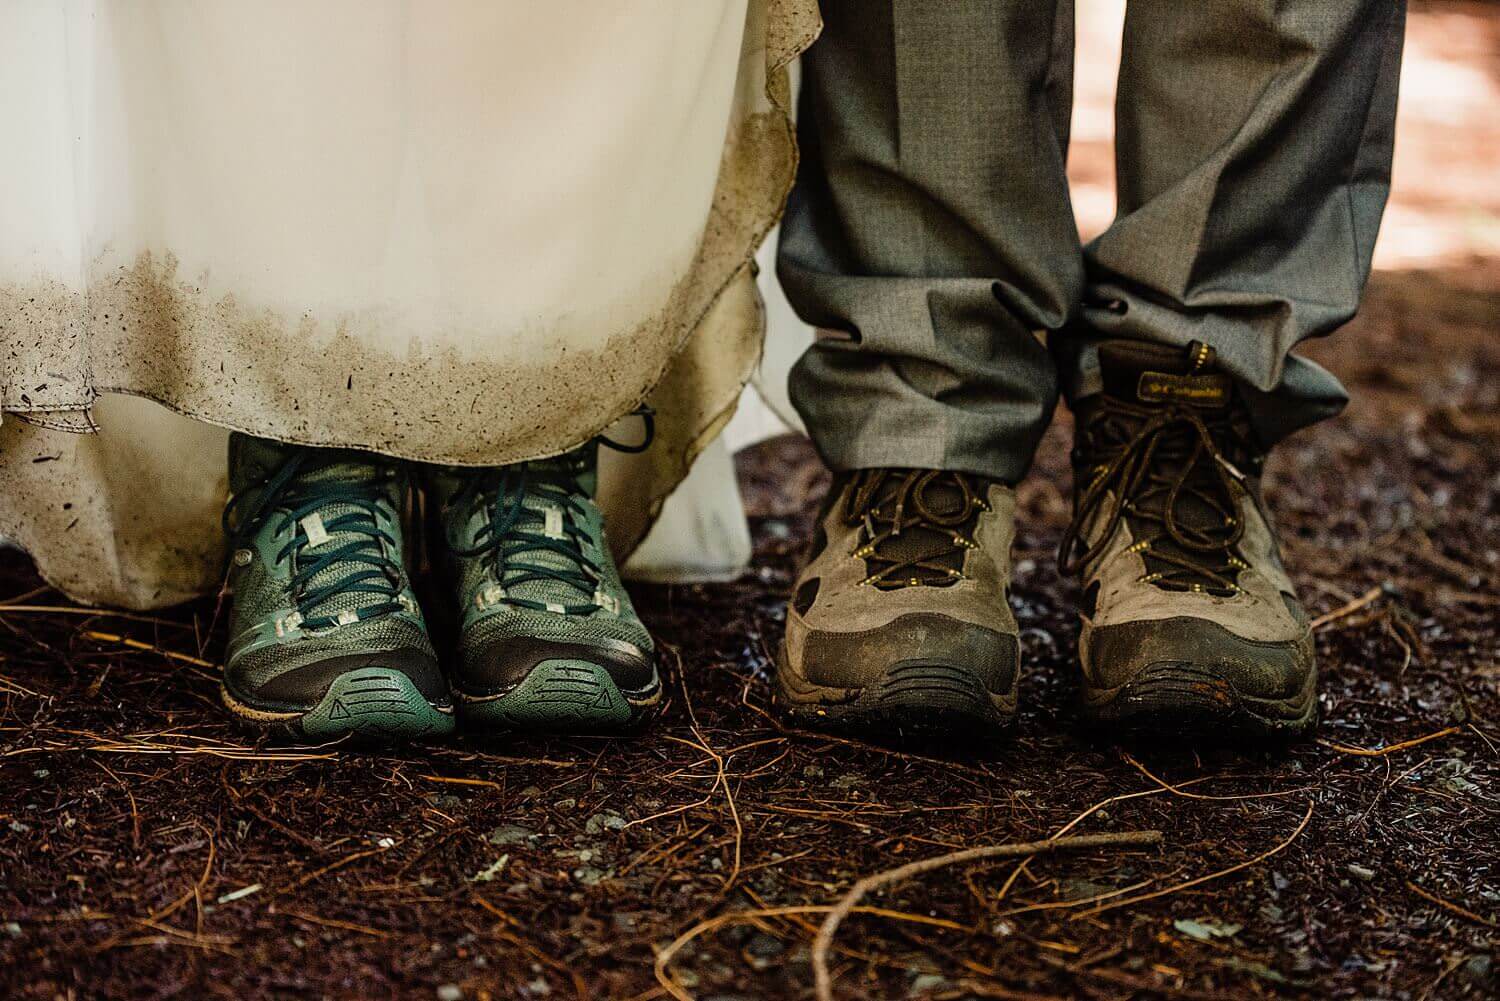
x: 931, y: 241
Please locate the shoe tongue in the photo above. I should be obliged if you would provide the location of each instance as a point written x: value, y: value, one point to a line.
x: 941, y: 496
x: 582, y: 464
x: 252, y: 461
x: 547, y: 513
x: 1156, y: 374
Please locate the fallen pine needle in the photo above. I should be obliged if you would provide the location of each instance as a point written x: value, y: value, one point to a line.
x: 132, y: 746
x: 1203, y: 879
x: 1177, y: 790
x: 240, y: 894
x: 339, y: 864
x: 486, y: 783
x: 823, y: 942
x: 1449, y: 906
x: 16, y: 688
x: 126, y: 641
x: 1053, y: 905
x: 1379, y: 752
x: 334, y: 923
x: 721, y: 781
x: 1349, y: 609
x: 665, y: 957
x: 88, y: 613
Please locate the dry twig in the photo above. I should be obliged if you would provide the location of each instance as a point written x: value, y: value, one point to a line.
x: 823, y: 981
x: 1347, y: 609
x: 1199, y: 880
x: 1462, y: 912
x: 1380, y: 752
x: 665, y: 956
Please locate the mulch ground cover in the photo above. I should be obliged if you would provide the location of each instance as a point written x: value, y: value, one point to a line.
x: 148, y: 849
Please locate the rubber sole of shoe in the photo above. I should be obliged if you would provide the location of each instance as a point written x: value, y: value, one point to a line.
x: 370, y: 704
x: 913, y: 698
x: 563, y: 697
x: 1177, y: 699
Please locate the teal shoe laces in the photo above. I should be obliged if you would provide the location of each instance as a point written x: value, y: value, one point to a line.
x: 515, y: 536
x: 326, y: 574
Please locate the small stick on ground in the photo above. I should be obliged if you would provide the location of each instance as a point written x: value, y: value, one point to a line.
x: 134, y: 644
x: 1380, y: 752
x: 665, y: 956
x: 1130, y: 901
x: 824, y: 941
x: 1349, y: 609
x: 1450, y: 906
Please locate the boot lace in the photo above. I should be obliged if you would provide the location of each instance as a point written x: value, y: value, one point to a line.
x: 326, y: 575
x: 1164, y: 468
x: 516, y: 537
x: 915, y: 525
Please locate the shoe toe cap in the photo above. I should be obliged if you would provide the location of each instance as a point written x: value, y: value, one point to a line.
x: 505, y: 663
x: 1196, y: 655
x: 305, y: 686
x: 852, y: 660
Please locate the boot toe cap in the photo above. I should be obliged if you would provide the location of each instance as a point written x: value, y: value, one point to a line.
x: 911, y: 645
x: 1187, y: 674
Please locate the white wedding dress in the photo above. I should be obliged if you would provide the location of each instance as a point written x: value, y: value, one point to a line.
x: 452, y: 231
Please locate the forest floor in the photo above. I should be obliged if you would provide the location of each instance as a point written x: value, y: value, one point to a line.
x: 148, y: 849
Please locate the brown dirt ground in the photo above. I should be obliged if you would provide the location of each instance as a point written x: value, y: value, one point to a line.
x: 134, y: 820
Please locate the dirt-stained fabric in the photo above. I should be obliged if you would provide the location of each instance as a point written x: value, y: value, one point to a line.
x: 592, y: 287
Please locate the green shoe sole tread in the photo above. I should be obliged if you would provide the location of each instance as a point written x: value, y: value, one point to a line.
x: 372, y: 703
x: 563, y: 697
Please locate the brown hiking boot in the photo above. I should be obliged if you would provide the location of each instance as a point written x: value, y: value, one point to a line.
x: 899, y: 622
x: 1190, y: 624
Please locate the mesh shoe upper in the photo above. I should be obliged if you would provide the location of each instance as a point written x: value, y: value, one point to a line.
x: 525, y: 545
x: 318, y: 571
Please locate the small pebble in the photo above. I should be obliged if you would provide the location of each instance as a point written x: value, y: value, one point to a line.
x: 927, y: 982
x: 509, y: 834
x: 606, y: 821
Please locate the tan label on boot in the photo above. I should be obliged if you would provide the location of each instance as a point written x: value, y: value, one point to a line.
x: 1194, y: 390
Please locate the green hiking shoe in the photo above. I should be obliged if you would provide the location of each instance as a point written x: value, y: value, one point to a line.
x: 326, y: 638
x: 1190, y: 624
x: 547, y: 637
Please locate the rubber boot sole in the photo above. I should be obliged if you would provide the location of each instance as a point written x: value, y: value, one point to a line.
x: 913, y: 698
x: 371, y: 704
x: 1175, y: 699
x: 563, y: 697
